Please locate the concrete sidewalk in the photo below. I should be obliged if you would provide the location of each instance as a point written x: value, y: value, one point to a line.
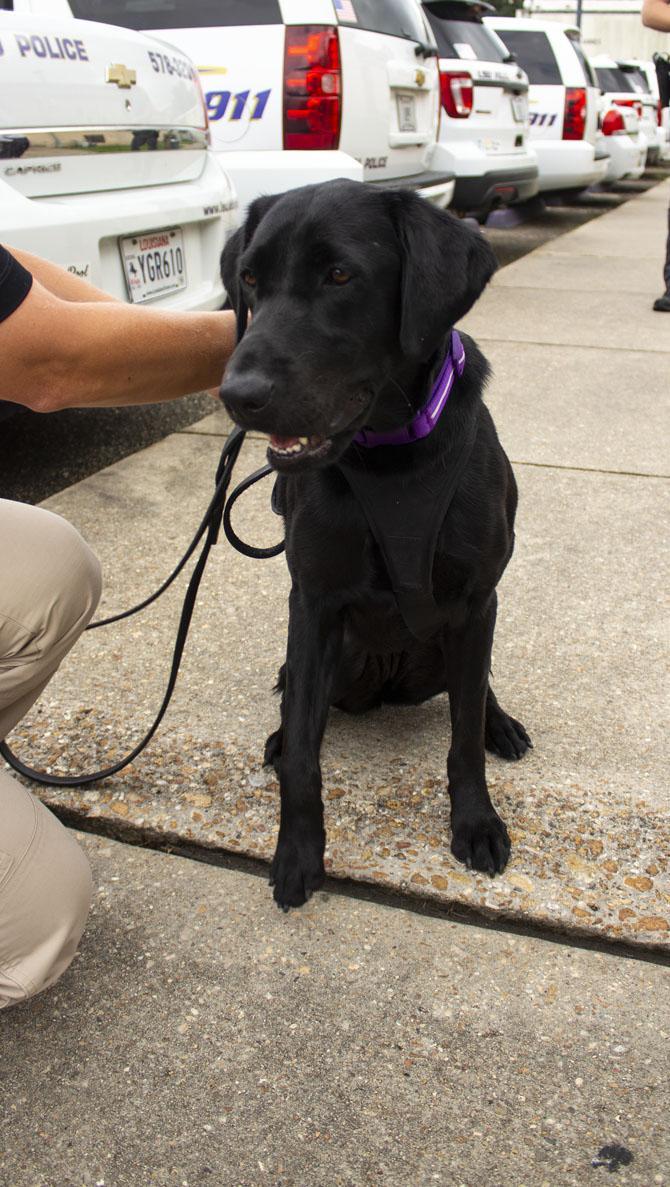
x: 580, y: 397
x: 203, y: 1037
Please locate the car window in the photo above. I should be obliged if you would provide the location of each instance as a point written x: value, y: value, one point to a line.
x: 400, y: 18
x: 178, y: 14
x: 638, y: 81
x: 534, y: 54
x: 611, y: 78
x: 461, y: 38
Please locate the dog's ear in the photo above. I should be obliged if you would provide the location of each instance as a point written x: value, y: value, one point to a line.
x: 445, y: 266
x: 230, y: 256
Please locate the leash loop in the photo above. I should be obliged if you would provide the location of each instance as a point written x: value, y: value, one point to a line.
x: 233, y: 538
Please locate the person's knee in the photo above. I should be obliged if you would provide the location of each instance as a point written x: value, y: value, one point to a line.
x: 44, y: 912
x: 77, y: 577
x: 54, y: 583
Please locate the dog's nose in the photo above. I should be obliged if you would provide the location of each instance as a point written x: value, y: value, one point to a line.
x: 246, y: 395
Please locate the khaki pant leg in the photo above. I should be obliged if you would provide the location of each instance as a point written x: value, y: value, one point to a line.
x: 49, y: 588
x: 45, y: 894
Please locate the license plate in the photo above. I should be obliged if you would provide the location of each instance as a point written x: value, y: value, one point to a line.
x: 154, y: 264
x: 520, y: 108
x: 406, y: 113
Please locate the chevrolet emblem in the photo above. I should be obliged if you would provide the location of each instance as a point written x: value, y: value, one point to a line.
x: 420, y: 78
x: 121, y: 75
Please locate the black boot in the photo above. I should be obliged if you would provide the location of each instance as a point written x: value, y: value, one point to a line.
x: 662, y: 304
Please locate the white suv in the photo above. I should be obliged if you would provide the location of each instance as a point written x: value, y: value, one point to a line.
x: 298, y: 91
x: 484, y: 129
x: 104, y: 161
x: 563, y: 102
x: 628, y: 87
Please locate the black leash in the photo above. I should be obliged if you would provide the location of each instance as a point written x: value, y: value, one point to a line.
x: 219, y: 511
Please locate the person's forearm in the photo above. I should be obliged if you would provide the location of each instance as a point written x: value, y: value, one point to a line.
x: 58, y: 281
x: 656, y: 15
x: 65, y: 355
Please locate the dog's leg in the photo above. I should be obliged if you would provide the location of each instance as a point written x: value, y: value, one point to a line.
x: 314, y: 645
x: 504, y: 735
x: 478, y: 836
x: 273, y: 745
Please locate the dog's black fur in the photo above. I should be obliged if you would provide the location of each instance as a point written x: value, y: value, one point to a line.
x: 353, y: 293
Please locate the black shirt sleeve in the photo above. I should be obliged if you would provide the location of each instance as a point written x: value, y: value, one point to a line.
x: 15, y: 283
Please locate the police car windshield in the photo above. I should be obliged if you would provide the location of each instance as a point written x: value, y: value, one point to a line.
x: 178, y: 14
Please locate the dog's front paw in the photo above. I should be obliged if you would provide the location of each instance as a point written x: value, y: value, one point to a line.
x: 297, y: 869
x: 505, y: 736
x: 481, y: 843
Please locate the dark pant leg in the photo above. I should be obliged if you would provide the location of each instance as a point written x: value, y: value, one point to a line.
x: 666, y: 270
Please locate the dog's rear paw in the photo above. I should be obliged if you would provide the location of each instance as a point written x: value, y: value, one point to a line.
x: 297, y: 870
x: 505, y: 736
x: 273, y: 748
x: 482, y: 844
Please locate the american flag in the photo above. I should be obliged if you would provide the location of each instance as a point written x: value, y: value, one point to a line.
x: 345, y: 10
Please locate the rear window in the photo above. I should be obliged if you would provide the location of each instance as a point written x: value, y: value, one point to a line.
x: 638, y: 81
x: 534, y: 54
x: 399, y: 18
x: 178, y: 14
x: 611, y: 78
x: 459, y: 38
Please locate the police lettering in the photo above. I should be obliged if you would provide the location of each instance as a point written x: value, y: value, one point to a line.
x: 57, y: 48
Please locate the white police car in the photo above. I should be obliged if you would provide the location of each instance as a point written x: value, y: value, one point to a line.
x: 105, y: 166
x: 563, y: 101
x: 484, y: 128
x: 302, y: 90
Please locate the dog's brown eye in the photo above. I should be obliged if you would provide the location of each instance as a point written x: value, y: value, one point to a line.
x: 339, y: 276
x: 249, y: 277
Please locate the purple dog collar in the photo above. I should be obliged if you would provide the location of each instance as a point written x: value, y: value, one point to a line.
x: 424, y: 422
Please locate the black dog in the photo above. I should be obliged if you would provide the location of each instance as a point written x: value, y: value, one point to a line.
x: 394, y: 550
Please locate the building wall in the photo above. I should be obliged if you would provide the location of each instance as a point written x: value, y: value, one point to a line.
x: 619, y: 33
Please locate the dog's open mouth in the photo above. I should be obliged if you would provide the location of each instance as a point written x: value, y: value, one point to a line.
x: 289, y: 449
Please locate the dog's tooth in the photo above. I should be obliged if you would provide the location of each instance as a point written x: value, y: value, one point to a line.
x: 303, y: 440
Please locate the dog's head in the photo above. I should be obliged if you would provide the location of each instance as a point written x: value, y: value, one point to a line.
x: 347, y: 288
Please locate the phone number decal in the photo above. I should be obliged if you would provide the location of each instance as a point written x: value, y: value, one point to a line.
x: 167, y: 64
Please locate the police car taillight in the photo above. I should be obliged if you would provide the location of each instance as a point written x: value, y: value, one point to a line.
x: 312, y: 87
x: 574, y: 117
x: 456, y: 93
x: 636, y: 104
x: 613, y: 122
